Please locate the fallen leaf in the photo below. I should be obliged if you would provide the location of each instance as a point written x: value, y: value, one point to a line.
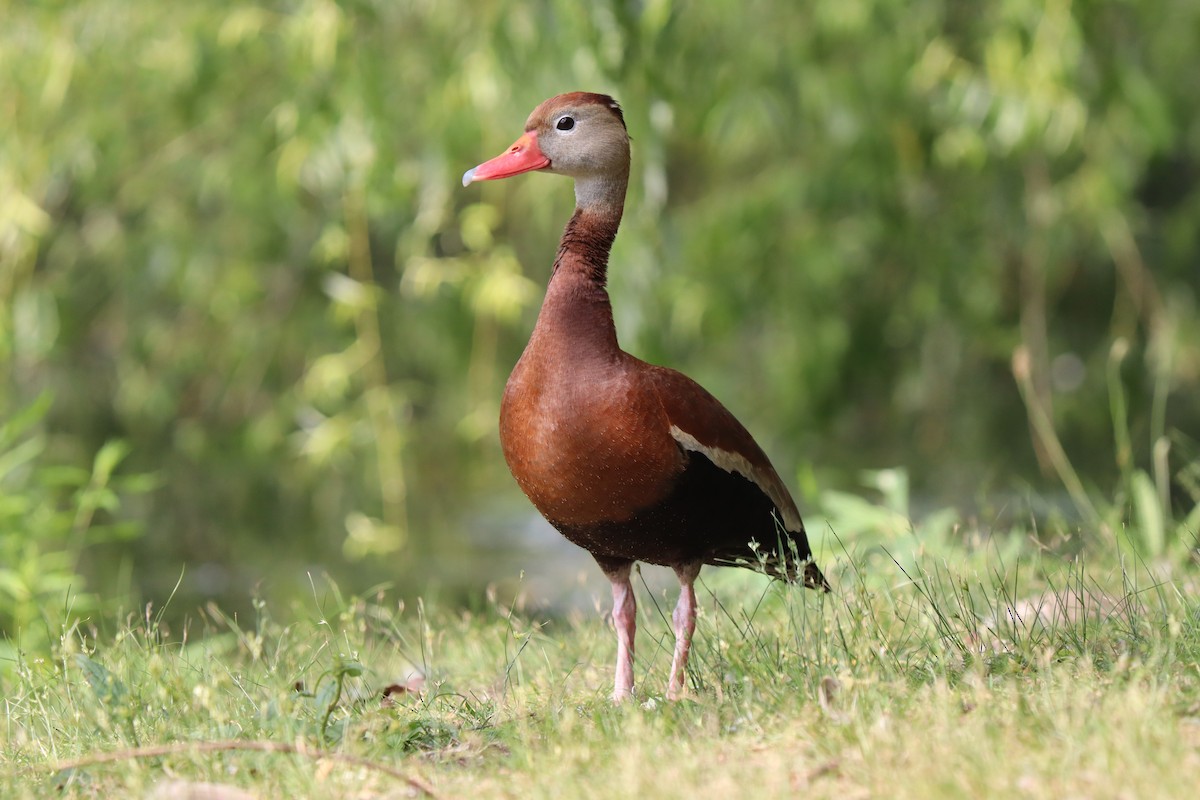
x: 414, y: 683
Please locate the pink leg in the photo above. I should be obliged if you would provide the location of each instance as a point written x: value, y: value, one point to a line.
x: 685, y: 624
x: 625, y: 620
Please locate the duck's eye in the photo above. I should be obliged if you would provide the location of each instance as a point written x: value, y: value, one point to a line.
x: 565, y: 123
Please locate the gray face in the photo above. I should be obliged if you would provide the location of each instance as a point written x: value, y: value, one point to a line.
x: 582, y: 140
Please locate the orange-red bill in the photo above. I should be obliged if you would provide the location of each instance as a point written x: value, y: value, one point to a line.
x: 523, y: 156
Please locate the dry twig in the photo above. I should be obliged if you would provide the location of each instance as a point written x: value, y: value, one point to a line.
x: 154, y: 751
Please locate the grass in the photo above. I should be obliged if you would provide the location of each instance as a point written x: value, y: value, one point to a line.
x: 941, y: 678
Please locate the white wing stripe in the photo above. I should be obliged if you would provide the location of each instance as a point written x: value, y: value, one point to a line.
x: 736, y: 462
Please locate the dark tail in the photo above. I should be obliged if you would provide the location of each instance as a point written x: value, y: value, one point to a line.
x: 790, y: 560
x: 814, y: 578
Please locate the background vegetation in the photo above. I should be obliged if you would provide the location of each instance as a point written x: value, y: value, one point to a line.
x: 942, y: 258
x: 251, y: 326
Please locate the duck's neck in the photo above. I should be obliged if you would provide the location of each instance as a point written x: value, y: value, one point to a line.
x: 583, y: 250
x: 576, y: 313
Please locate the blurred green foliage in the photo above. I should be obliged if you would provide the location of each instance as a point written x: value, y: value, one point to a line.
x: 49, y: 514
x: 232, y: 236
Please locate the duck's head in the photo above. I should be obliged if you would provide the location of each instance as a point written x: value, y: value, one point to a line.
x: 579, y: 134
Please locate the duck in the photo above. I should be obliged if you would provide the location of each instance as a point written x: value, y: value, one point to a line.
x: 631, y: 461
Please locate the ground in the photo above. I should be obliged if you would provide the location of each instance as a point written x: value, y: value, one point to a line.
x: 935, y: 679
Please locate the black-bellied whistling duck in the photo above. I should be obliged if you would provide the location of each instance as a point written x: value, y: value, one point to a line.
x: 630, y: 461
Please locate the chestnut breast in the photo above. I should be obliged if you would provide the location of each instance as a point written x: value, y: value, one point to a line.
x: 585, y: 440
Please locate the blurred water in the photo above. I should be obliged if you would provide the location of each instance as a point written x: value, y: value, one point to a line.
x: 523, y: 556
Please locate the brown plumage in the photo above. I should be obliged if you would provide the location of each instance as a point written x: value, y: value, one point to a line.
x: 630, y: 461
